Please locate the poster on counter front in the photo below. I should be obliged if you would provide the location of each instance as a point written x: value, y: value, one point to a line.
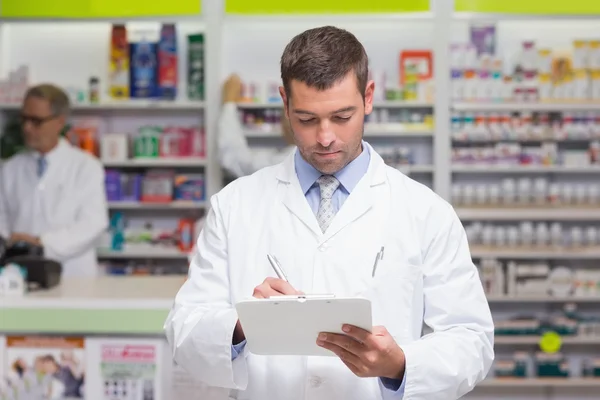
x: 43, y: 368
x: 129, y: 371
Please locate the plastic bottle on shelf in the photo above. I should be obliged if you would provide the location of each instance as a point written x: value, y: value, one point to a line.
x: 186, y: 235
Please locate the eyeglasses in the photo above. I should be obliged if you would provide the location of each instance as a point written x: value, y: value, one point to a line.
x: 35, y: 121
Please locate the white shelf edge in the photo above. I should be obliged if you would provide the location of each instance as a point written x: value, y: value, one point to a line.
x: 156, y: 162
x: 512, y: 106
x: 506, y: 340
x: 159, y: 254
x: 133, y: 105
x: 524, y: 169
x: 540, y: 299
x: 328, y: 18
x: 560, y: 253
x: 175, y: 205
x: 496, y: 17
x: 378, y: 104
x: 540, y: 382
x: 528, y: 213
x: 524, y: 140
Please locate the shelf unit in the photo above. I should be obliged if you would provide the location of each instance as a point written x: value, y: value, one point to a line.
x: 510, y: 383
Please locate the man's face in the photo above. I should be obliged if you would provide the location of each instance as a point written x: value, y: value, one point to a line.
x: 328, y: 125
x: 41, y: 128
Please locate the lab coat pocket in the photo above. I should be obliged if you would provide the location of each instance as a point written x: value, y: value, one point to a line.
x: 392, y: 298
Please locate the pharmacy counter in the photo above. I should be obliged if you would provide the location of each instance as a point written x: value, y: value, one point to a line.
x: 104, y: 305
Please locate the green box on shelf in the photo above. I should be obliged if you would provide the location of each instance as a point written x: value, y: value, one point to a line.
x: 551, y: 371
x: 146, y: 142
x: 195, y: 78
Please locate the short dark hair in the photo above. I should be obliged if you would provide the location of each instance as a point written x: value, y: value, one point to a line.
x: 321, y: 57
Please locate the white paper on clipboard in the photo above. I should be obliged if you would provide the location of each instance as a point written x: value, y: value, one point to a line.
x: 289, y: 325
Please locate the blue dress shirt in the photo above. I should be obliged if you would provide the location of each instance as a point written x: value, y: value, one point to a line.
x: 349, y: 176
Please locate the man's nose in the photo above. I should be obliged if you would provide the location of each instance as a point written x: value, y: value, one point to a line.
x: 325, y: 135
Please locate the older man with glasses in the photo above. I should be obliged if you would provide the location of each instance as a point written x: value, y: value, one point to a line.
x: 52, y: 194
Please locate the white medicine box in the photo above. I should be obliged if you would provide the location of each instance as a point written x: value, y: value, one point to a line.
x: 114, y: 147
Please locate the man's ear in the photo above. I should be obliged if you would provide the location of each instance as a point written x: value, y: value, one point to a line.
x: 369, y: 93
x: 285, y: 101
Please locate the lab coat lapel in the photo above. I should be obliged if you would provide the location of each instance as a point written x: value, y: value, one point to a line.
x: 361, y: 199
x: 291, y: 195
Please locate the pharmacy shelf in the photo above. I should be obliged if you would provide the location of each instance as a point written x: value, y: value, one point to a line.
x: 542, y: 253
x: 550, y: 106
x: 380, y: 104
x: 143, y: 253
x: 532, y: 213
x: 540, y: 299
x: 175, y: 205
x: 535, y: 340
x: 157, y: 163
x: 125, y: 105
x: 540, y: 382
x: 525, y: 169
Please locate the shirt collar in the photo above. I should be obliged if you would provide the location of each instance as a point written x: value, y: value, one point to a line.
x: 54, y: 153
x: 349, y: 176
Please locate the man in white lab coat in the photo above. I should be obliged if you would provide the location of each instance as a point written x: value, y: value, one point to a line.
x: 52, y: 195
x: 326, y: 212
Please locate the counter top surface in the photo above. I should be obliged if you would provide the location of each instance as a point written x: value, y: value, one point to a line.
x: 104, y: 292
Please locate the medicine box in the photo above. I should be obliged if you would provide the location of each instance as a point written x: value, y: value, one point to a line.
x: 195, y: 78
x: 114, y: 147
x: 189, y: 187
x: 551, y: 365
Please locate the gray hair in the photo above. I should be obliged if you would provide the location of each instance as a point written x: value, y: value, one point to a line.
x: 58, y: 99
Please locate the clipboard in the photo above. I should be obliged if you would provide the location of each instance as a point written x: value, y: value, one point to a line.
x: 289, y: 325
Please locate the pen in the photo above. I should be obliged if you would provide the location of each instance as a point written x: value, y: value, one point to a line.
x: 378, y: 257
x: 276, y: 267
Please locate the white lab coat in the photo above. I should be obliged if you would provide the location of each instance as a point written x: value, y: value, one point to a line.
x: 66, y: 207
x: 427, y: 276
x: 235, y: 155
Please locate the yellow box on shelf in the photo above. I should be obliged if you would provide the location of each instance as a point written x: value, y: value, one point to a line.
x: 324, y: 6
x: 539, y: 7
x: 74, y: 9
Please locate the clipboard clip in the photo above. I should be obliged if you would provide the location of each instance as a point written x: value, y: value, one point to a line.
x: 305, y: 296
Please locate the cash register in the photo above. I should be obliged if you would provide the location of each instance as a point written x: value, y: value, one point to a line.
x: 42, y: 272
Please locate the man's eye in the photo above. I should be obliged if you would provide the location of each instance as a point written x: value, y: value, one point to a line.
x: 342, y: 119
x: 306, y: 121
